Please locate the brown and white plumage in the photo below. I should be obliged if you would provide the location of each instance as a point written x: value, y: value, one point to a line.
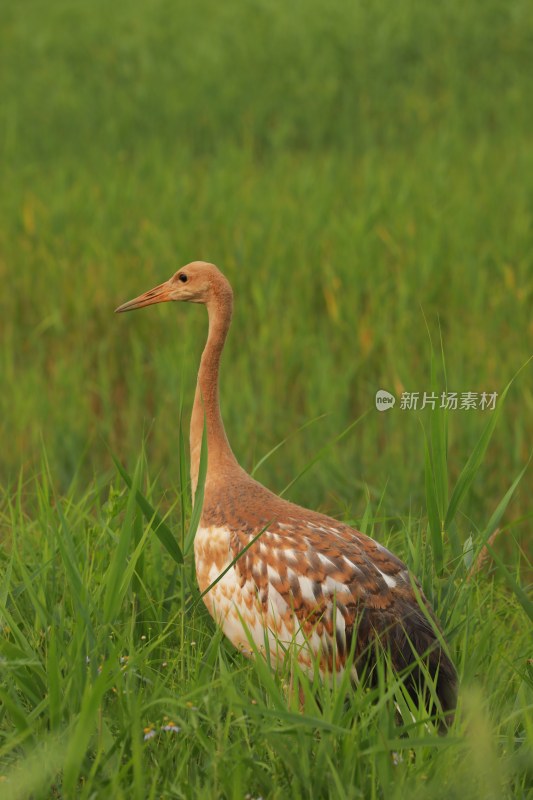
x: 307, y: 579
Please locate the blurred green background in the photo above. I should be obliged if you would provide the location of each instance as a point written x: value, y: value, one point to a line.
x: 357, y: 169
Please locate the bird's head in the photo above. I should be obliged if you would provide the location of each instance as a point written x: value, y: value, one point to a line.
x: 197, y: 282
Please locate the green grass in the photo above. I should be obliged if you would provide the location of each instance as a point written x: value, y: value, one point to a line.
x: 106, y: 644
x: 364, y: 178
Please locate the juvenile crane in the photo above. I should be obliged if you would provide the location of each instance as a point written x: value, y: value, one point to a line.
x: 307, y: 579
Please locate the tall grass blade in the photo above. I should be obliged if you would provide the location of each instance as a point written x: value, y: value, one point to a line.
x: 113, y: 578
x: 500, y: 509
x: 161, y: 530
x: 439, y: 436
x: 322, y: 452
x: 199, y: 493
x: 54, y: 680
x: 521, y: 596
x: 434, y: 519
x: 182, y: 469
x: 84, y: 729
x: 471, y: 467
x: 32, y: 776
x: 276, y: 447
x: 78, y: 589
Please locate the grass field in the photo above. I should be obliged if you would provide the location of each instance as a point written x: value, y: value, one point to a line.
x: 364, y: 176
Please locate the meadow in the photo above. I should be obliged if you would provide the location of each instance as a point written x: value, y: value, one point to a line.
x: 364, y: 177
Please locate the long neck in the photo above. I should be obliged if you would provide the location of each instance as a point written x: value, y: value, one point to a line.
x: 206, y: 401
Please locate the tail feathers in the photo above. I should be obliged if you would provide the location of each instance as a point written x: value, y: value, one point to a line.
x: 417, y: 647
x: 415, y: 638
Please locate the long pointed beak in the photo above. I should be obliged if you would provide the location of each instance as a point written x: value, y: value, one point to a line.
x: 159, y: 294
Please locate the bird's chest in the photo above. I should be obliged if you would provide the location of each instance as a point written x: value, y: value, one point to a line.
x: 212, y: 552
x: 234, y: 600
x: 251, y: 604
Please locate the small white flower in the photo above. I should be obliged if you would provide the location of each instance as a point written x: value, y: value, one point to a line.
x: 171, y: 727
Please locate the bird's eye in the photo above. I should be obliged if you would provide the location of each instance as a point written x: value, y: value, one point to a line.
x: 182, y: 277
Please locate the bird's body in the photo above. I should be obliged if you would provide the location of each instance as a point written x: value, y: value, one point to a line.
x: 303, y: 578
x: 304, y: 581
